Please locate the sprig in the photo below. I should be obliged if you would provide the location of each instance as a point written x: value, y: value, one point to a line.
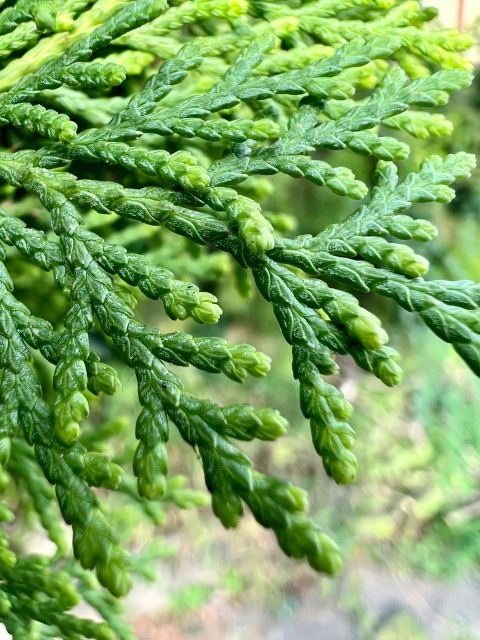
x: 103, y: 172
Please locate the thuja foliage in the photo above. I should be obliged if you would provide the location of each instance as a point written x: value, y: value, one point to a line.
x: 119, y: 114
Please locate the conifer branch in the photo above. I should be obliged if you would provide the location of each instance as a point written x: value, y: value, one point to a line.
x: 167, y: 116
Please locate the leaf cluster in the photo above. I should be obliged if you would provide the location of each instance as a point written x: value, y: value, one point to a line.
x: 122, y: 117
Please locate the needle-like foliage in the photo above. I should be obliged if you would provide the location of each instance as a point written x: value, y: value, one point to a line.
x: 164, y: 113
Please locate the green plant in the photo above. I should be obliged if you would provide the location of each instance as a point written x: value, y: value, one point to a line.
x: 119, y: 115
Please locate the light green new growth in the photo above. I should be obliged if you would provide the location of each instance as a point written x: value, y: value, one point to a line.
x: 165, y: 114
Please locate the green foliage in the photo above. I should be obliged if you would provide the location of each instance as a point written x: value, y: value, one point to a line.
x: 399, y: 625
x: 94, y: 155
